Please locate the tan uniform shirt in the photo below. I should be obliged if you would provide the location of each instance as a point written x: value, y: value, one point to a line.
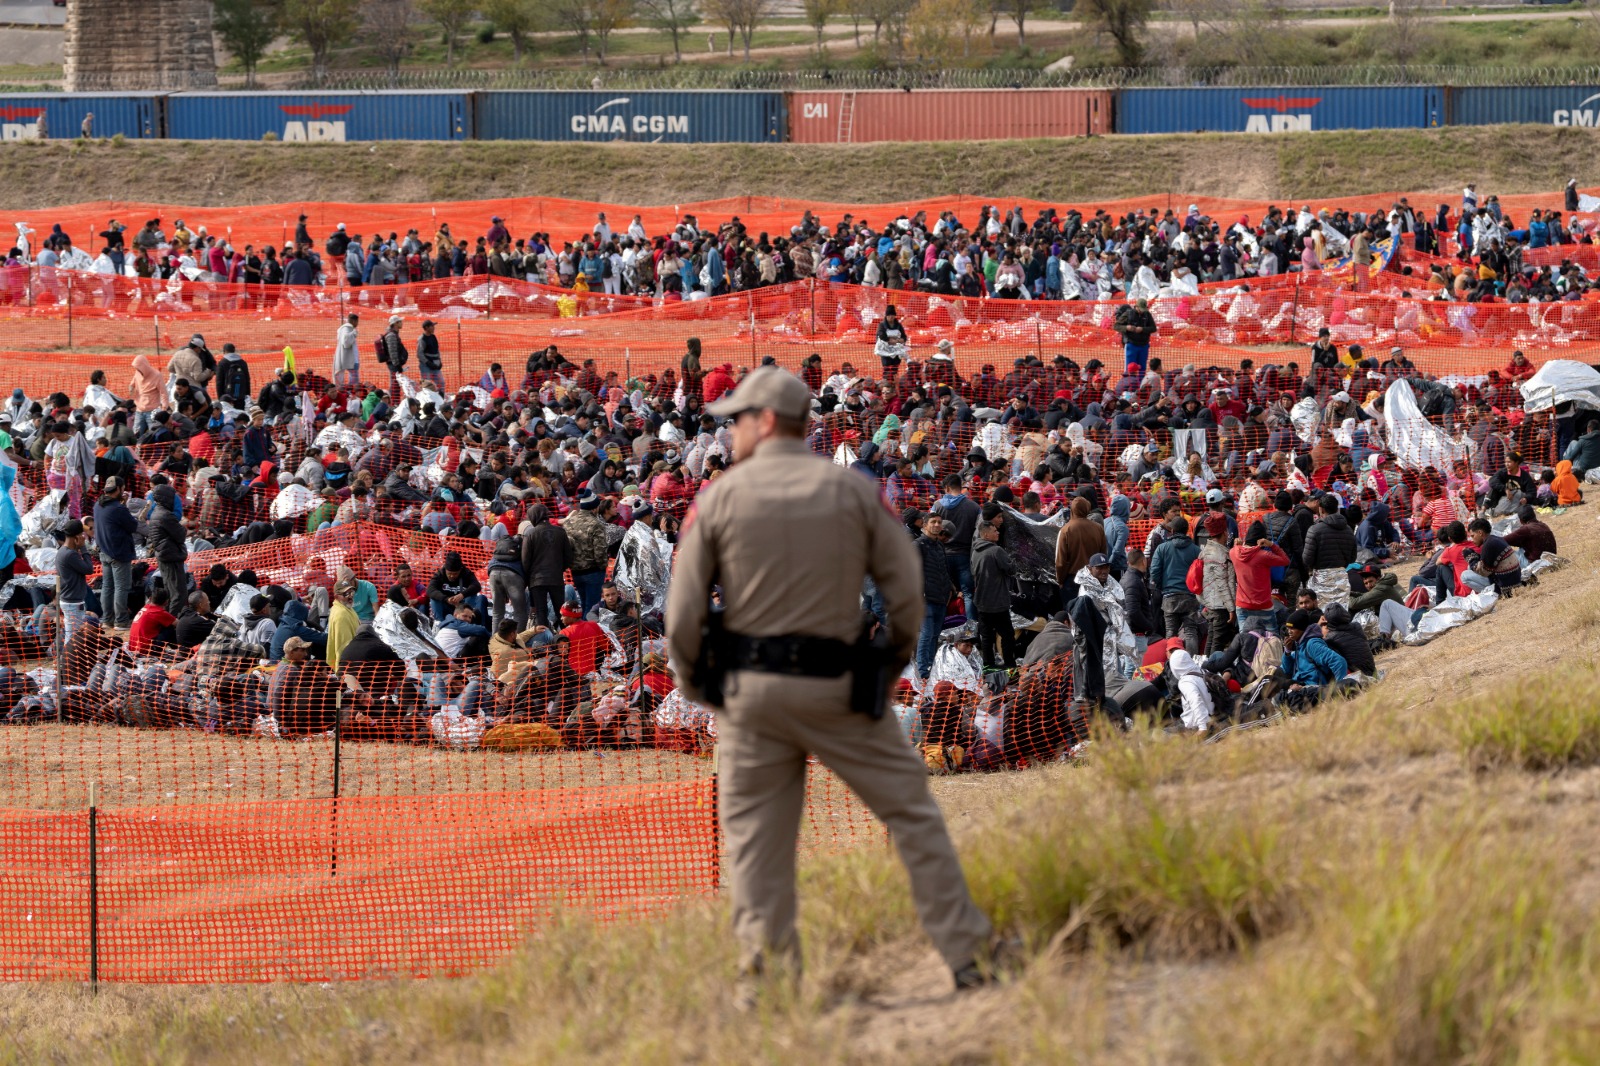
x: 789, y: 537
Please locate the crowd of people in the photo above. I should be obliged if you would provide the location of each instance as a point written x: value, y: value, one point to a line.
x: 488, y: 565
x: 1473, y: 251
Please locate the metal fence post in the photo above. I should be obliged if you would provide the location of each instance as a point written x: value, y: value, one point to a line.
x: 338, y: 749
x: 1294, y: 307
x: 94, y: 889
x: 460, y: 373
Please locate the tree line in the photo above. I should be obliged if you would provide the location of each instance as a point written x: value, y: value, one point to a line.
x: 900, y: 29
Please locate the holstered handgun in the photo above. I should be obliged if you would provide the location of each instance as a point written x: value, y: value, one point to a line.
x: 710, y: 670
x: 870, y: 675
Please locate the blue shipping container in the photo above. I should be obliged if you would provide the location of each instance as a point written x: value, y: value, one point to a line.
x: 327, y: 117
x: 1278, y: 109
x: 1554, y: 105
x: 679, y: 117
x: 63, y: 113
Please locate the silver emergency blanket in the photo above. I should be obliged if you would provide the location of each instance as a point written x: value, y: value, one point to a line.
x: 676, y: 711
x: 40, y: 522
x: 963, y: 671
x: 1562, y: 381
x: 1545, y: 562
x: 337, y: 436
x: 1117, y: 658
x: 293, y: 501
x: 408, y: 645
x: 1331, y: 586
x: 1303, y: 416
x: 644, y: 566
x: 1415, y: 441
x: 235, y: 604
x: 100, y: 398
x: 1452, y: 612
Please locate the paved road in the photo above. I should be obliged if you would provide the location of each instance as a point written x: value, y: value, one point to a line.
x: 32, y: 13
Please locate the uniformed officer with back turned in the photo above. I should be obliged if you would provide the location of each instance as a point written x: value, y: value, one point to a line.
x: 789, y: 536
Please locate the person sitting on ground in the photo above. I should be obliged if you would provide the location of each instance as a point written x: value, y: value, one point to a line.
x: 300, y: 694
x: 1564, y: 486
x: 1192, y: 691
x: 454, y: 586
x: 1532, y: 537
x: 194, y: 625
x: 293, y: 624
x: 1313, y: 668
x: 461, y: 637
x: 1492, y: 562
x: 1382, y: 597
x: 1051, y: 642
x: 1347, y: 638
x: 153, y: 627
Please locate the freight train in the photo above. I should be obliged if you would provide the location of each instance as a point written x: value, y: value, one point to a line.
x: 831, y: 117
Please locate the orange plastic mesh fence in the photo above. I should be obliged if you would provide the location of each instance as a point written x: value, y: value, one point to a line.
x: 44, y: 350
x: 565, y: 219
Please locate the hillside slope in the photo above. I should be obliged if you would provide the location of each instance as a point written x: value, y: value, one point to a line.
x: 1505, y: 159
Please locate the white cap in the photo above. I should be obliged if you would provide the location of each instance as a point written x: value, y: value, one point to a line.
x: 395, y: 319
x: 340, y: 226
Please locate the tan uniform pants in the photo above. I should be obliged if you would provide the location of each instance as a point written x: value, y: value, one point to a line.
x: 764, y: 733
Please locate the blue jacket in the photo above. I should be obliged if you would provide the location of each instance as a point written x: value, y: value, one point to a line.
x: 114, y: 526
x: 1169, y: 567
x: 1312, y: 662
x: 1117, y: 535
x: 293, y: 624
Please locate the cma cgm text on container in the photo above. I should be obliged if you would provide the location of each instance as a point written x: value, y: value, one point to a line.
x: 1279, y: 109
x: 678, y: 117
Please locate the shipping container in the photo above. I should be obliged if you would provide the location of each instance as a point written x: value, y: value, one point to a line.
x: 649, y: 117
x: 337, y: 116
x: 1554, y: 105
x: 947, y: 115
x: 63, y: 114
x: 1279, y: 109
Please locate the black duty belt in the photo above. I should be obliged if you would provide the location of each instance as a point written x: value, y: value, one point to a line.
x: 796, y: 656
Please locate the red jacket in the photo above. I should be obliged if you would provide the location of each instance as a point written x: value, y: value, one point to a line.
x: 149, y: 622
x: 717, y: 382
x: 1252, y: 572
x: 587, y: 646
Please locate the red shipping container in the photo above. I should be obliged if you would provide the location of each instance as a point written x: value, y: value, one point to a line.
x: 947, y: 115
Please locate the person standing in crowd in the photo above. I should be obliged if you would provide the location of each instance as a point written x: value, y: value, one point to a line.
x: 393, y: 353
x: 802, y: 606
x: 1169, y: 571
x: 114, y: 529
x: 347, y: 352
x: 1330, y: 547
x: 430, y: 364
x: 72, y: 578
x: 992, y: 570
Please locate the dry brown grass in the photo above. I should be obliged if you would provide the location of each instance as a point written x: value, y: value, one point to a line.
x: 1506, y: 159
